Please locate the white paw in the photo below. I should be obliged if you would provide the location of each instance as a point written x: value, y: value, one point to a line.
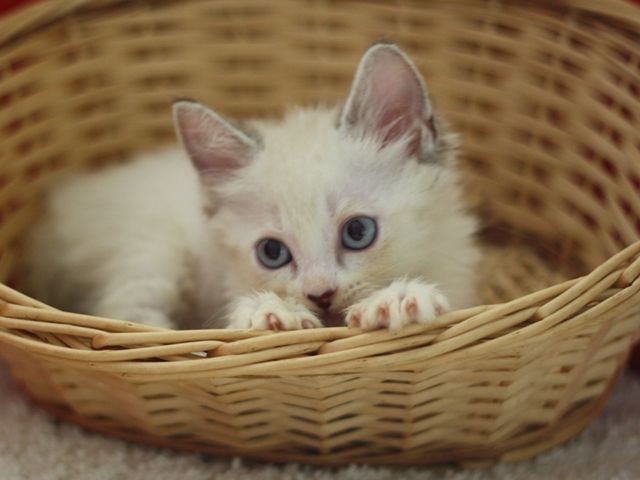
x: 267, y: 311
x: 401, y: 303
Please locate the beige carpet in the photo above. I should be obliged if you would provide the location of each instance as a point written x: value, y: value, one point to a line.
x: 35, y: 446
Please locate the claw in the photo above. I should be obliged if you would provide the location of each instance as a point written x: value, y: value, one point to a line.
x: 308, y: 324
x: 355, y: 319
x: 274, y: 323
x: 383, y: 312
x: 411, y: 307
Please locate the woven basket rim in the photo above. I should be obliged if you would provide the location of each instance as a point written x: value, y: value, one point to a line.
x: 34, y: 16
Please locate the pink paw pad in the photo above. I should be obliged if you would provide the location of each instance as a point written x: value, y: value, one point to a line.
x: 275, y: 323
x: 383, y: 314
x: 355, y: 319
x: 411, y: 307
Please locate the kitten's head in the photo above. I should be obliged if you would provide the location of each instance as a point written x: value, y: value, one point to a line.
x: 326, y: 206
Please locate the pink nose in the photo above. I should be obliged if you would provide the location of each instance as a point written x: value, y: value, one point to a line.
x: 323, y: 301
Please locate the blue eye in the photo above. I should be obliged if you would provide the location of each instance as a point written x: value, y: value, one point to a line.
x: 273, y: 254
x: 359, y: 232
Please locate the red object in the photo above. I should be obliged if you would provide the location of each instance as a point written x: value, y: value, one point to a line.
x: 8, y: 5
x: 634, y: 358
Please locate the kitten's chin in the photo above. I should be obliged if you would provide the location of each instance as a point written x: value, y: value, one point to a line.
x: 331, y: 319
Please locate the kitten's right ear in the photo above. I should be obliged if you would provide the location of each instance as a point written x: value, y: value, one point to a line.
x: 214, y: 145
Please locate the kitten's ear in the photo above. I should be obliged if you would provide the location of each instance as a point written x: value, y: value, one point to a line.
x: 389, y: 100
x: 214, y: 145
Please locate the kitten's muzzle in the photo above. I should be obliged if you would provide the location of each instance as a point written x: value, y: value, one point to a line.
x: 323, y: 301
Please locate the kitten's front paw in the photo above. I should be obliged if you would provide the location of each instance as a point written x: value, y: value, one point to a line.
x: 401, y: 303
x: 267, y: 311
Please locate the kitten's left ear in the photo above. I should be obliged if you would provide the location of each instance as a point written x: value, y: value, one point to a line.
x: 389, y: 100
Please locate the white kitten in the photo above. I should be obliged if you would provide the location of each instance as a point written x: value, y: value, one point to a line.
x: 326, y: 217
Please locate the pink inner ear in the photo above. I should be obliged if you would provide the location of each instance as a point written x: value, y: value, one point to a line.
x: 388, y: 98
x: 396, y: 96
x: 211, y: 142
x: 394, y: 124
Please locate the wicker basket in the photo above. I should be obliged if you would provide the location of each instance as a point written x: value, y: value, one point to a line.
x: 547, y: 96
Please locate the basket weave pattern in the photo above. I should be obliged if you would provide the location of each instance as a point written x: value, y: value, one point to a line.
x: 547, y: 97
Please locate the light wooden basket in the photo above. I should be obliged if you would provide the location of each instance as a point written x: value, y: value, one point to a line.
x: 547, y: 97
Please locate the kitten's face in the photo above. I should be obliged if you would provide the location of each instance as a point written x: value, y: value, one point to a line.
x: 327, y: 206
x: 325, y: 219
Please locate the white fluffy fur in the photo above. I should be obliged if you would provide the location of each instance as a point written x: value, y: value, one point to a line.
x: 118, y: 243
x: 134, y: 241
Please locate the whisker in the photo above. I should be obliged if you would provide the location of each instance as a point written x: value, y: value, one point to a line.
x: 215, y: 318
